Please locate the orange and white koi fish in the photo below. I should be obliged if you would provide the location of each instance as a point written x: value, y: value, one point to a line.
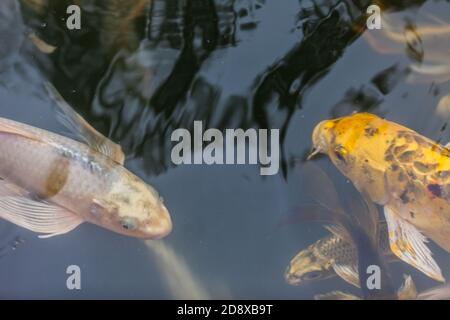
x: 50, y: 184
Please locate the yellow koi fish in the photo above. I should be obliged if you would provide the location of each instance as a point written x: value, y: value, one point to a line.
x: 50, y: 184
x: 401, y: 170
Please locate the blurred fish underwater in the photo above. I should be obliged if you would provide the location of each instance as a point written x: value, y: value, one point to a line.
x: 331, y: 256
x: 139, y: 69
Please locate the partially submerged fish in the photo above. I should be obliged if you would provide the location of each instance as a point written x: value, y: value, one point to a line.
x: 425, y: 43
x: 401, y: 170
x: 406, y: 292
x: 328, y: 257
x: 50, y: 184
x: 441, y: 292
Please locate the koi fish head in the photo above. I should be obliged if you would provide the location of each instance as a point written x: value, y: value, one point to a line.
x: 357, y: 145
x: 305, y: 267
x: 340, y: 136
x: 135, y: 209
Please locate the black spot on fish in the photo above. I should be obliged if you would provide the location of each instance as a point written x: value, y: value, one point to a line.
x: 411, y: 174
x: 389, y: 150
x: 435, y: 189
x: 339, y: 153
x: 412, y: 214
x: 400, y: 149
x: 394, y: 167
x: 370, y: 131
x: 445, y: 152
x: 424, y: 168
x: 388, y: 157
x: 415, y: 190
x: 404, y: 197
x: 407, y: 156
x: 443, y: 174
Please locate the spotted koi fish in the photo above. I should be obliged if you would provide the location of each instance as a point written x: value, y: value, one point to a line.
x: 328, y: 257
x: 401, y: 170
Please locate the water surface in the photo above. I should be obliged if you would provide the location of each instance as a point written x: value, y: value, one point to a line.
x: 139, y: 70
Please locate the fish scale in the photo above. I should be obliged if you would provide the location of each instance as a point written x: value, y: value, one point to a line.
x: 328, y: 251
x: 343, y: 252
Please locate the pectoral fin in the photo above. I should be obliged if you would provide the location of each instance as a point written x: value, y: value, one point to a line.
x: 84, y: 130
x: 409, y: 245
x: 36, y: 216
x: 347, y: 272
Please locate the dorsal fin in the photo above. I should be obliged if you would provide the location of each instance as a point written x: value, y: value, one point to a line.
x: 83, y: 130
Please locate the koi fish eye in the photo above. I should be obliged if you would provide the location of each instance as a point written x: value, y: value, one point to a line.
x: 340, y: 153
x: 128, y: 224
x: 314, y: 275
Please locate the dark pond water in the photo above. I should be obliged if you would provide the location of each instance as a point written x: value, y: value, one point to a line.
x: 137, y: 70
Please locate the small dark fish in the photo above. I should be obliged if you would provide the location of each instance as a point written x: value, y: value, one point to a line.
x: 360, y: 228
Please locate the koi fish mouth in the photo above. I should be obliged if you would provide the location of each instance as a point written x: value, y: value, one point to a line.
x: 161, y: 225
x: 292, y: 279
x: 164, y: 228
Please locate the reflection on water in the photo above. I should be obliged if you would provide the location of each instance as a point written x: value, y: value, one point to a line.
x: 137, y: 70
